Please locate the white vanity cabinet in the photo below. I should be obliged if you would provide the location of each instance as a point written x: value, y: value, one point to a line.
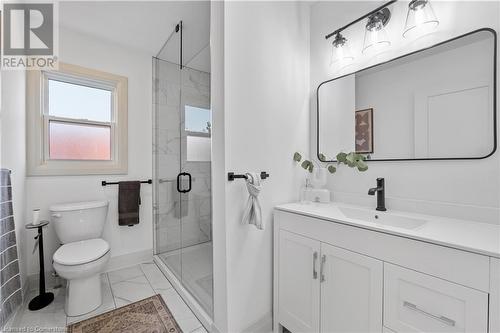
x: 331, y: 276
x: 323, y: 288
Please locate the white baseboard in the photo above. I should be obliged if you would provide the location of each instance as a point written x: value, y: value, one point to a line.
x: 118, y: 262
x: 129, y: 259
x: 50, y: 282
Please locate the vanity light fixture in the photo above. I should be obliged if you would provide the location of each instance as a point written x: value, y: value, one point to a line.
x: 420, y: 19
x: 376, y: 39
x: 341, y: 54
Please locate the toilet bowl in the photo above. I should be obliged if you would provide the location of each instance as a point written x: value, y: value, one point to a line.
x: 83, y: 255
x: 81, y: 263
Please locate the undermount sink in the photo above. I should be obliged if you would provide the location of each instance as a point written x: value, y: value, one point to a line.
x: 382, y: 218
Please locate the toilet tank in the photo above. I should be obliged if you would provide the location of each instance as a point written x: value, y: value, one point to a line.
x: 79, y: 220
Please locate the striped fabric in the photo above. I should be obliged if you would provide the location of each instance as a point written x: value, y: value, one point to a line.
x: 10, y: 281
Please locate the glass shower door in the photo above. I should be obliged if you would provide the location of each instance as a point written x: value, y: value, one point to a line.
x: 182, y: 174
x: 196, y: 230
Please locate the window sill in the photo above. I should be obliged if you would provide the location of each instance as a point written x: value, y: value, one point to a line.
x: 76, y: 168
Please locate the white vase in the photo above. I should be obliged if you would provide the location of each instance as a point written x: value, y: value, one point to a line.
x: 319, y: 177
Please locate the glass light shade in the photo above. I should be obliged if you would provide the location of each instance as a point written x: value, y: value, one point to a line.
x: 341, y: 54
x: 376, y: 40
x: 420, y: 19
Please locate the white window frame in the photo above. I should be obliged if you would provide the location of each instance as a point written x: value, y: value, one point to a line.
x: 38, y: 118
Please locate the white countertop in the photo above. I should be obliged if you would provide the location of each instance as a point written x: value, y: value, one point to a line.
x: 477, y: 237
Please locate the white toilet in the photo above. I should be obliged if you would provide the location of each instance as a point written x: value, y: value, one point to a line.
x: 83, y: 255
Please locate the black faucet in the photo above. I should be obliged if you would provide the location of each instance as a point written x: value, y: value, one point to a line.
x: 380, y: 190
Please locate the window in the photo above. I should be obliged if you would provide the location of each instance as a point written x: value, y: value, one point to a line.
x: 198, y: 129
x: 77, y: 122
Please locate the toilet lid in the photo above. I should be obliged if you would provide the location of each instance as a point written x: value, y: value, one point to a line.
x: 81, y: 252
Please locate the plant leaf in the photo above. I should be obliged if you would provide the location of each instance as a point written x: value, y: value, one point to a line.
x: 341, y: 157
x: 311, y: 167
x: 297, y: 157
x: 350, y: 157
x: 362, y: 169
x: 332, y: 169
x: 305, y: 164
x: 322, y: 157
x: 362, y: 166
x: 350, y: 160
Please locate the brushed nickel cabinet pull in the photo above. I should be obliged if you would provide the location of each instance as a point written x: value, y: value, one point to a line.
x: 315, y: 259
x: 442, y: 319
x: 322, y: 268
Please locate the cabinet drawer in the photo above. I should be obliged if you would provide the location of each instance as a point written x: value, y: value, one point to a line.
x: 416, y: 302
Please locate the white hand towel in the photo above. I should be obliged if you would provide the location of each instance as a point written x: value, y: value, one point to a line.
x: 253, y: 211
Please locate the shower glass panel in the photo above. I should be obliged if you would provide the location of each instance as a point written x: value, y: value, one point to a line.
x: 182, y: 176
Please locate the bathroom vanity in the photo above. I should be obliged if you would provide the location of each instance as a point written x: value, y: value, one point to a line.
x: 344, y: 268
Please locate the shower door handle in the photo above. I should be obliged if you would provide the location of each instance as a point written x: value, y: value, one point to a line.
x: 190, y: 182
x: 179, y: 182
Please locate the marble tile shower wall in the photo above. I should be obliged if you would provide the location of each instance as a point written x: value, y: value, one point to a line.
x: 181, y: 220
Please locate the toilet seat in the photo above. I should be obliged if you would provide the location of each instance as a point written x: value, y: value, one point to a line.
x: 81, y: 252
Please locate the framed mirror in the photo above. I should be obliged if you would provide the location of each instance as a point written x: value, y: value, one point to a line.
x: 437, y: 103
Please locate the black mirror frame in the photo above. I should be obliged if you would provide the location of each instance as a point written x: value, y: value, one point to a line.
x: 409, y: 54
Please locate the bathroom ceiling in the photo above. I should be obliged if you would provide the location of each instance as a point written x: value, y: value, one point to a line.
x: 145, y: 26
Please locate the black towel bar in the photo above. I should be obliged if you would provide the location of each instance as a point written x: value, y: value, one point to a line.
x: 105, y: 183
x: 232, y: 176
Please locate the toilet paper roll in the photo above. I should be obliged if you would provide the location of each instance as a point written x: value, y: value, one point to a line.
x: 36, y: 216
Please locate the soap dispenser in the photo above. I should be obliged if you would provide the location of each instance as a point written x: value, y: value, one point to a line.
x: 304, y: 190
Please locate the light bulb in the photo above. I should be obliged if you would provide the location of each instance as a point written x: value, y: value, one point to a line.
x: 376, y: 39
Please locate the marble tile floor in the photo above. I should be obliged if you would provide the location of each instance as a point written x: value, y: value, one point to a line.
x: 119, y: 288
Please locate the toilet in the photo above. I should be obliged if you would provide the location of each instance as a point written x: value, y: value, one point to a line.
x: 83, y: 255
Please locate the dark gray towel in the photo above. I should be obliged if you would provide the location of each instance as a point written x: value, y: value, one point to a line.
x: 10, y: 292
x: 129, y: 199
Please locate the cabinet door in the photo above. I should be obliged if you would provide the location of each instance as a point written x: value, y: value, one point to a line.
x: 351, y: 291
x: 298, y: 285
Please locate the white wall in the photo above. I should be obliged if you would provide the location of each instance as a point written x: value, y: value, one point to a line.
x: 83, y: 50
x: 219, y: 239
x: 13, y: 151
x: 266, y: 119
x: 462, y: 189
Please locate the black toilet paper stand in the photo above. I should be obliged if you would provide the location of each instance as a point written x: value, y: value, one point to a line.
x: 43, y: 299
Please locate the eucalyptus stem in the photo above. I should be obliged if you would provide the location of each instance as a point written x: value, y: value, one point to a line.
x: 352, y: 160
